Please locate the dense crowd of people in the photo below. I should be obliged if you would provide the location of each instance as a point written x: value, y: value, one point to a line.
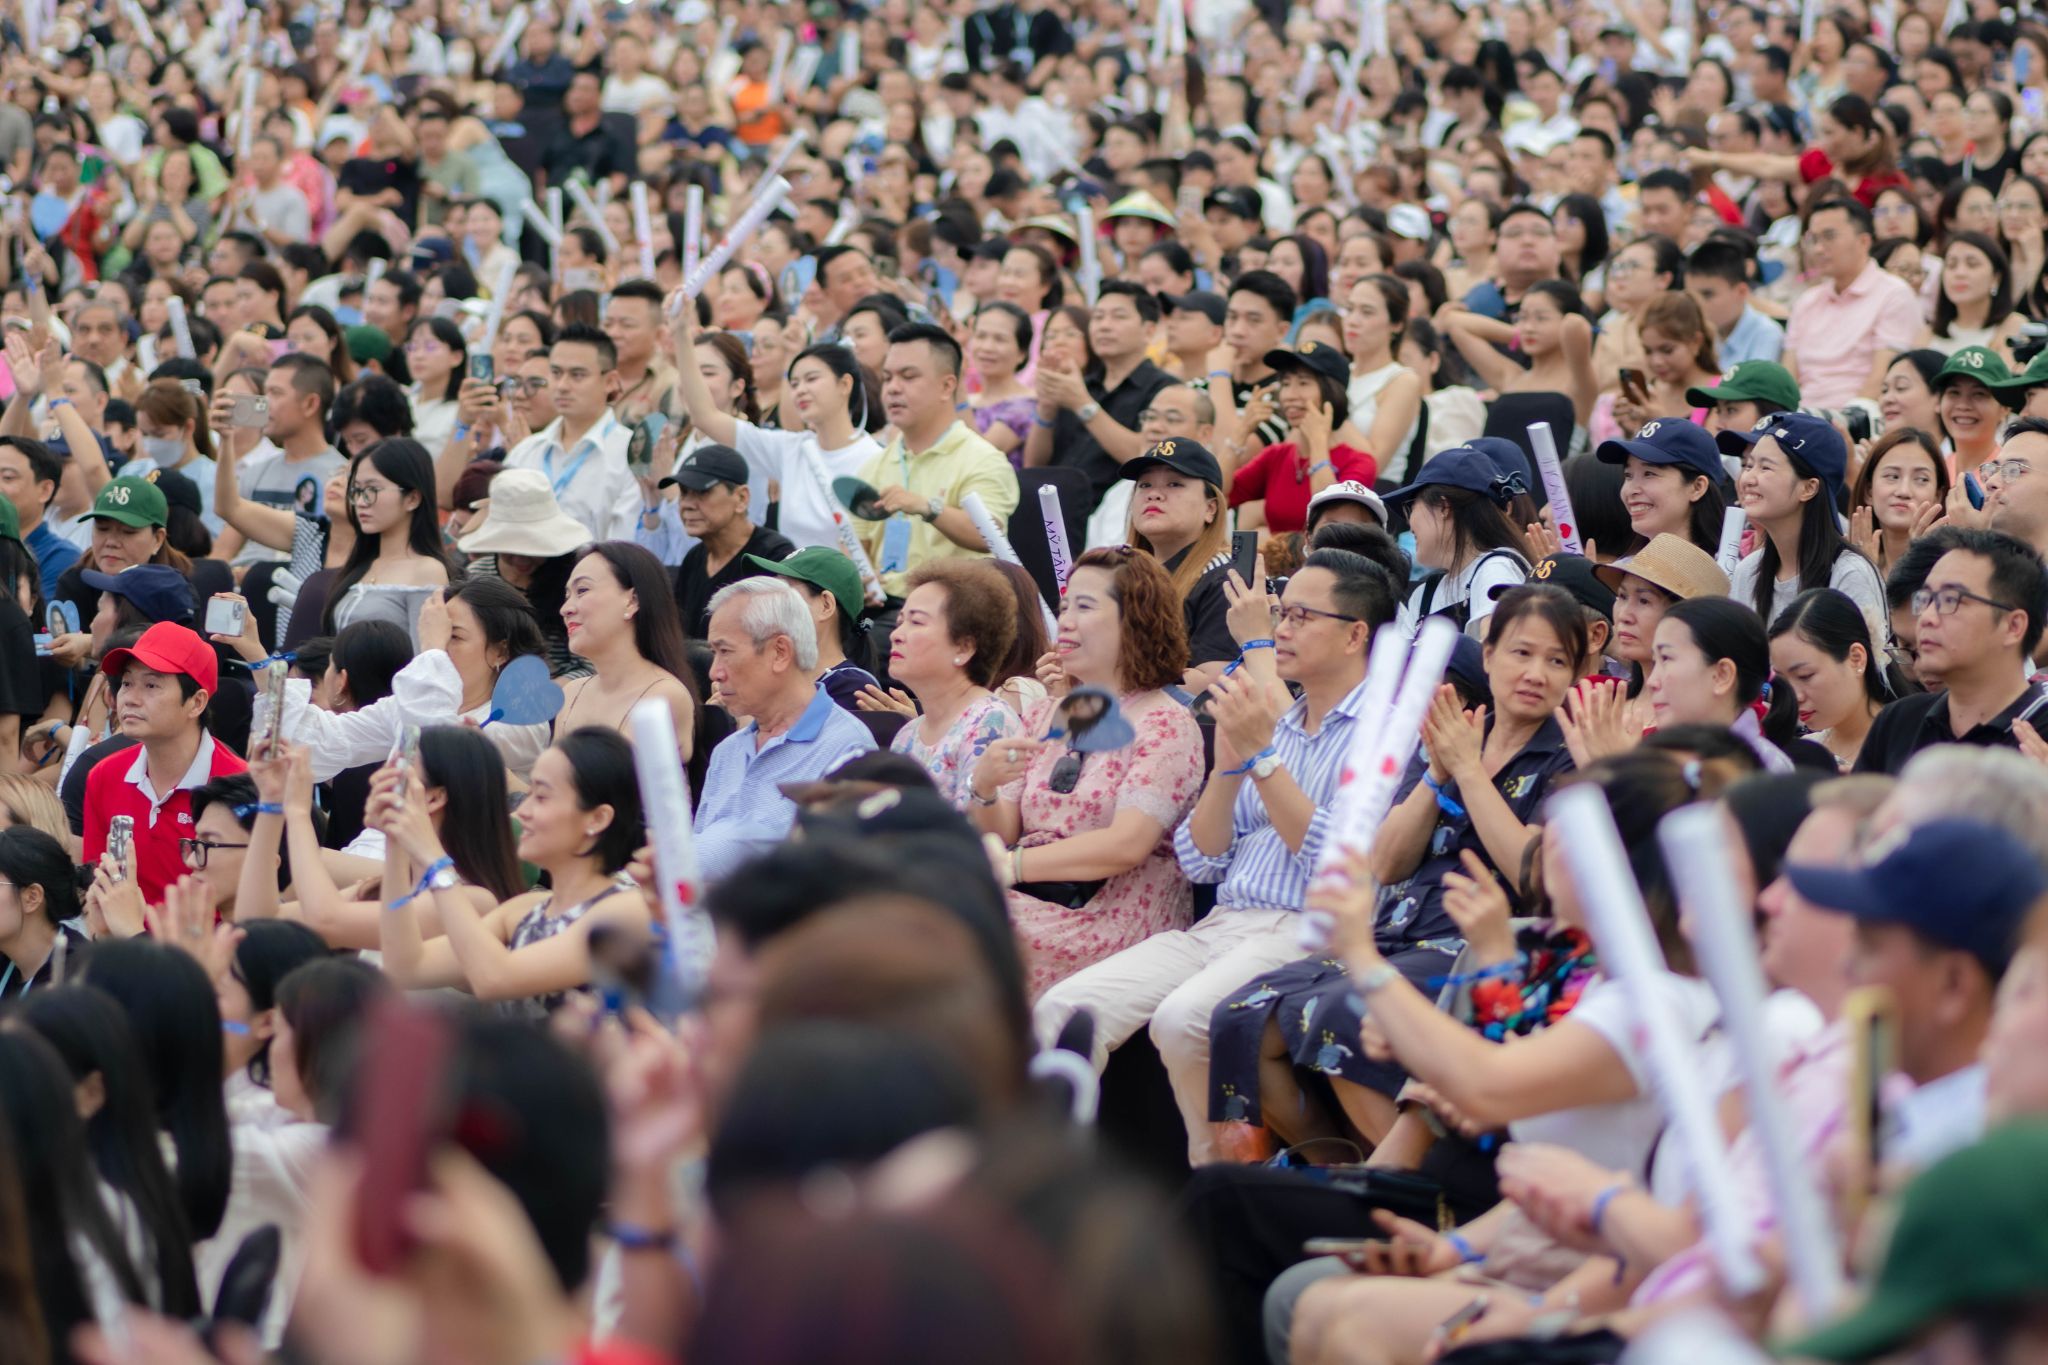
x: 1011, y: 450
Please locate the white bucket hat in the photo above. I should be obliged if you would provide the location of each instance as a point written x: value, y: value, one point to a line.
x: 525, y: 519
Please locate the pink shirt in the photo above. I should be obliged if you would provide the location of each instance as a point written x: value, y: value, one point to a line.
x: 1835, y: 334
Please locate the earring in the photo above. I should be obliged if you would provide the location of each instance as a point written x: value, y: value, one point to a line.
x: 958, y: 662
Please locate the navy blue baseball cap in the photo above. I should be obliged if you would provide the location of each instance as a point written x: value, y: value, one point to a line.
x: 1813, y: 441
x: 1956, y: 883
x: 1468, y: 468
x: 1510, y: 457
x: 1669, y: 441
x: 158, y: 591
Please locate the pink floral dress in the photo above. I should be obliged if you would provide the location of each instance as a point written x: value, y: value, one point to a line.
x: 1160, y: 775
x: 951, y: 761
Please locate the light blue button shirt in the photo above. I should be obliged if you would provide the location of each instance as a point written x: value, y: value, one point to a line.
x: 743, y: 811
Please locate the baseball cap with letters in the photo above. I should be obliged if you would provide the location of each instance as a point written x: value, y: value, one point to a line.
x: 132, y: 502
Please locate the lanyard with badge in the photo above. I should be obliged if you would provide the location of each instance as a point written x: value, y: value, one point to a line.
x: 547, y: 461
x: 896, y: 531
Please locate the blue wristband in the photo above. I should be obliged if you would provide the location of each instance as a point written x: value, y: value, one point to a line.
x: 1247, y: 765
x: 1467, y: 1253
x: 1600, y: 1204
x: 1445, y: 802
x: 633, y: 1238
x: 1247, y: 647
x: 420, y: 888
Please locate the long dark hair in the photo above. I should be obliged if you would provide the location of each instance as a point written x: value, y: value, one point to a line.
x: 1821, y: 542
x: 657, y: 625
x: 601, y: 766
x: 176, y: 1018
x: 324, y: 1002
x: 1723, y: 628
x: 464, y: 763
x: 60, y: 1190
x: 1478, y: 524
x: 508, y: 618
x: 91, y: 1036
x: 2001, y: 294
x: 271, y: 950
x: 449, y: 335
x: 23, y: 1335
x: 29, y: 857
x: 371, y: 653
x: 1586, y: 211
x: 407, y: 464
x: 733, y: 356
x: 1830, y: 621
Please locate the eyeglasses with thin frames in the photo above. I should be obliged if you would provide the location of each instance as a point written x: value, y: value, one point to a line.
x: 1299, y: 615
x: 2003, y: 471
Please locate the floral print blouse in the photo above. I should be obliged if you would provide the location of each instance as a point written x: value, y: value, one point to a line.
x: 951, y: 761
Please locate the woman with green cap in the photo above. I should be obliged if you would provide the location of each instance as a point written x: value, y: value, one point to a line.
x: 830, y: 585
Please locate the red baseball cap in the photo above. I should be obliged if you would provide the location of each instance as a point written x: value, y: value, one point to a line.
x: 169, y: 647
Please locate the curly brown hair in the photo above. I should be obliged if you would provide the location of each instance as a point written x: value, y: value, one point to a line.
x: 980, y: 609
x: 1153, y: 650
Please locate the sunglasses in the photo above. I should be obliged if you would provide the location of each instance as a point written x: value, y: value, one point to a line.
x: 1066, y: 774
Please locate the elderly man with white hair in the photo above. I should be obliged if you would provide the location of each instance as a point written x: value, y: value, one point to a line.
x: 764, y: 662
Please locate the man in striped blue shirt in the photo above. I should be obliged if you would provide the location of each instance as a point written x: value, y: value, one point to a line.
x: 1257, y: 829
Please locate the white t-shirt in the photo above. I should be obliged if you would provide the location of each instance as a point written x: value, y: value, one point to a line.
x: 806, y: 509
x: 593, y: 483
x: 1474, y: 583
x: 1853, y: 575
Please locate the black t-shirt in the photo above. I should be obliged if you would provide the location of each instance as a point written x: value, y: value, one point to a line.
x: 24, y: 689
x: 597, y: 154
x: 71, y: 947
x: 694, y: 589
x: 1921, y: 721
x: 1074, y: 448
x: 366, y: 175
x: 1206, y: 609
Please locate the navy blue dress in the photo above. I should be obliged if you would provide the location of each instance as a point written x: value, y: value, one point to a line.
x: 1312, y: 1001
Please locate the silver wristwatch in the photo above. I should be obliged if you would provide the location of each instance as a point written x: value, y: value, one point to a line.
x: 1088, y: 412
x: 1265, y: 767
x: 934, y: 508
x: 447, y: 879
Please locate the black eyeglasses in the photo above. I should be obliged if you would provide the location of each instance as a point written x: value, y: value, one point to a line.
x: 1066, y: 774
x: 1947, y: 601
x: 1299, y: 616
x: 196, y: 851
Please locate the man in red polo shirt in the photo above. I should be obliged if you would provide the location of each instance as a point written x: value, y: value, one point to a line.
x: 161, y: 688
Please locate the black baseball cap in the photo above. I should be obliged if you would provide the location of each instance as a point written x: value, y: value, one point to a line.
x: 708, y: 465
x: 1209, y: 305
x: 1191, y: 458
x: 1237, y: 201
x: 1573, y: 573
x: 1312, y: 357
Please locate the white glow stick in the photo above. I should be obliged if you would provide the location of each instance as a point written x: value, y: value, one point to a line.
x: 1090, y: 277
x: 1162, y: 39
x: 1383, y: 665
x: 139, y: 20
x: 32, y: 27
x: 1809, y: 14
x: 1629, y: 956
x: 501, y: 291
x: 842, y: 528
x: 999, y: 546
x: 537, y: 219
x: 1368, y: 795
x: 378, y: 265
x: 245, y: 131
x: 1697, y: 850
x: 501, y: 51
x: 643, y: 227
x: 1056, y: 533
x: 555, y: 242
x: 1552, y: 472
x: 580, y: 192
x: 181, y: 328
x: 804, y: 70
x: 749, y: 223
x: 1305, y: 79
x: 1733, y: 522
x: 849, y: 51
x: 783, y: 39
x: 1376, y: 15
x: 789, y: 149
x: 693, y: 226
x: 665, y: 805
x: 726, y: 28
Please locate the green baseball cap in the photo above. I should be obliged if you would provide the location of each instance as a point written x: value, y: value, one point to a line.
x: 1750, y: 382
x: 1980, y: 363
x: 1972, y: 1231
x: 367, y: 344
x: 10, y: 521
x: 2013, y: 392
x: 132, y: 502
x: 825, y: 568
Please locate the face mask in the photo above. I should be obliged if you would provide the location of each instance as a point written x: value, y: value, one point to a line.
x: 166, y: 451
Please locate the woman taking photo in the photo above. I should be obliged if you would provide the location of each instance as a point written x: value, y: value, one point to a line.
x: 1090, y: 869
x: 1711, y: 665
x: 1974, y: 306
x: 1003, y: 409
x: 438, y: 359
x: 957, y: 624
x: 1178, y: 516
x: 1898, y: 494
x: 1273, y: 488
x: 1678, y: 357
x: 580, y: 824
x: 1463, y: 535
x: 1820, y: 644
x: 1386, y: 396
x: 621, y: 617
x: 398, y: 559
x: 1670, y: 483
x: 834, y: 400
x: 1474, y: 813
x: 1791, y: 490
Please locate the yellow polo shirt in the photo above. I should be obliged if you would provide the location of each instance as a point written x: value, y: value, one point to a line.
x: 960, y: 463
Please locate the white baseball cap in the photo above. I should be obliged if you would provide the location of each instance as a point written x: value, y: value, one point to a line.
x: 1350, y: 490
x: 1410, y: 221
